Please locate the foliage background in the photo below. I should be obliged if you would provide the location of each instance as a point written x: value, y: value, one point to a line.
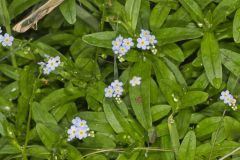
x: 179, y: 115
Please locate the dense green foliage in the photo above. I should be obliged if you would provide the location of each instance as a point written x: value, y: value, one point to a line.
x: 174, y: 114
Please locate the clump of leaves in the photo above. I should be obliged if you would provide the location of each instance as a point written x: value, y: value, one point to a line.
x: 159, y: 100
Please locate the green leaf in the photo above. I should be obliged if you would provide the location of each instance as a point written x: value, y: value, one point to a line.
x: 73, y: 153
x: 188, y: 147
x: 140, y: 95
x: 158, y: 16
x: 88, y: 18
x: 194, y: 10
x: 174, y: 136
x: 223, y: 9
x: 17, y: 7
x: 207, y: 126
x: 38, y: 151
x: 160, y: 111
x: 99, y: 141
x: 47, y: 136
x: 165, y: 142
x: 231, y: 60
x: 175, y: 34
x: 211, y: 59
x: 10, y: 71
x: 231, y: 126
x: 132, y: 8
x: 112, y: 119
x: 236, y: 27
x: 41, y: 115
x: 176, y: 72
x: 60, y: 97
x: 68, y: 9
x: 100, y: 39
x: 26, y: 86
x: 173, y: 51
x: 183, y: 122
x: 192, y: 98
x: 4, y: 15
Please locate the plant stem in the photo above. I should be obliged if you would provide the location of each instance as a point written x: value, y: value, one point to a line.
x: 215, y: 137
x: 29, y: 118
x: 115, y: 67
x: 229, y: 154
x: 123, y: 150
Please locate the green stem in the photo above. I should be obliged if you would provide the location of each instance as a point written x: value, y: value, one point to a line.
x: 115, y: 67
x: 29, y: 118
x: 215, y: 136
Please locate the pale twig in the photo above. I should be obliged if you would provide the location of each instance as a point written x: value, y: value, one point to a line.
x: 229, y: 154
x: 123, y: 150
x: 215, y: 136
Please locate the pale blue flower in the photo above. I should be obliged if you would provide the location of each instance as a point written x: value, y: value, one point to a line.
x: 72, y: 132
x: 109, y: 92
x: 6, y: 40
x: 128, y: 43
x: 142, y: 43
x: 122, y: 50
x: 81, y: 133
x: 118, y: 91
x: 144, y: 33
x: 116, y: 83
x: 152, y: 40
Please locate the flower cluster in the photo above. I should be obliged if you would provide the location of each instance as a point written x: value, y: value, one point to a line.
x: 135, y: 81
x: 51, y: 64
x: 228, y: 99
x: 6, y: 39
x: 121, y: 46
x: 114, y: 90
x: 79, y: 129
x: 146, y: 41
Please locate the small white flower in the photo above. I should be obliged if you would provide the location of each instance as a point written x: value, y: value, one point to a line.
x: 76, y: 121
x: 119, y: 38
x: 81, y: 133
x: 72, y: 132
x: 122, y: 50
x: 142, y: 43
x: 47, y: 70
x: 117, y: 91
x: 144, y: 33
x: 6, y: 40
x: 135, y: 81
x: 109, y: 92
x: 224, y: 94
x: 152, y: 40
x: 116, y: 45
x: 128, y: 43
x: 228, y: 99
x: 53, y: 62
x: 116, y: 83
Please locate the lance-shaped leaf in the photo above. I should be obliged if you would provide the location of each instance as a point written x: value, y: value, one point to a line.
x: 236, y: 27
x: 211, y: 59
x: 175, y: 34
x: 158, y: 16
x: 68, y: 9
x: 132, y: 8
x: 231, y: 60
x: 193, y: 9
x: 100, y: 39
x: 188, y: 147
x: 140, y: 94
